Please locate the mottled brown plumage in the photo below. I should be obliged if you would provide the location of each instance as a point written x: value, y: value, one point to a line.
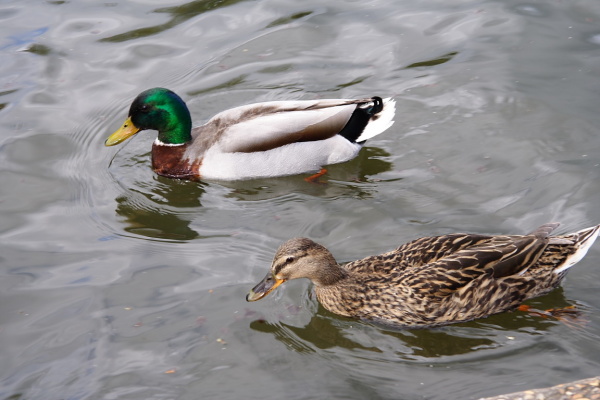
x: 433, y: 280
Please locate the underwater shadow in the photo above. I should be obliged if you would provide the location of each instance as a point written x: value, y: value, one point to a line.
x: 326, y: 331
x: 159, y: 211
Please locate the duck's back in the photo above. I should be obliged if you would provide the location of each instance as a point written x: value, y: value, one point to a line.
x: 265, y: 126
x: 459, y: 277
x: 282, y: 137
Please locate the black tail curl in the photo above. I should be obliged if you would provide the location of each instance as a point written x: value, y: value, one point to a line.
x: 377, y: 105
x: 360, y: 118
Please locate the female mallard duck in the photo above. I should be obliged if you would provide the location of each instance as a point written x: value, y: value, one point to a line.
x: 433, y: 280
x: 254, y: 141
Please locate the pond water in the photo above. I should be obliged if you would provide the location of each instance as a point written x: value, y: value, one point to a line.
x: 119, y: 284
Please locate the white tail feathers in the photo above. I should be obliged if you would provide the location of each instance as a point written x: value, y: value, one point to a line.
x: 381, y: 121
x: 585, y: 238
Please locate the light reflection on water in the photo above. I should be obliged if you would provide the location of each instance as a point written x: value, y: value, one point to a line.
x: 117, y: 283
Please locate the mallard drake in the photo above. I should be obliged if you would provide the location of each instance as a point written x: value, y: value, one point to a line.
x: 259, y: 140
x: 433, y: 280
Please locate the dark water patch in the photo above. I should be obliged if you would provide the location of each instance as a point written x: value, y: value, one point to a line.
x: 38, y: 49
x: 179, y: 15
x: 291, y: 18
x: 225, y: 85
x: 436, y: 61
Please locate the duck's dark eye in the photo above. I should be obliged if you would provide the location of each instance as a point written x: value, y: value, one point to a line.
x: 144, y: 108
x: 289, y: 259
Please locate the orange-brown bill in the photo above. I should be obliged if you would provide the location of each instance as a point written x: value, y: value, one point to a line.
x: 264, y: 287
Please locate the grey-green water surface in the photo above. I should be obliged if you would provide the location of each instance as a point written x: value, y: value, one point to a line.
x: 119, y: 284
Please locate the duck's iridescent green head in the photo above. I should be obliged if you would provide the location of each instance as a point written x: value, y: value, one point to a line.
x: 157, y: 109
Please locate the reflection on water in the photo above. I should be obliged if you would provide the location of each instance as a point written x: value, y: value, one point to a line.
x: 329, y: 331
x: 153, y: 222
x: 319, y: 333
x: 163, y: 208
x: 341, y: 180
x: 159, y: 208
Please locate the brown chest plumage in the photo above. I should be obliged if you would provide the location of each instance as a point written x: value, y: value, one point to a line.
x: 169, y: 161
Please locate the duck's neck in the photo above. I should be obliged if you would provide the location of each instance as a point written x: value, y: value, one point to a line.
x: 177, y: 127
x: 159, y: 143
x: 332, y: 292
x: 331, y: 275
x: 178, y: 135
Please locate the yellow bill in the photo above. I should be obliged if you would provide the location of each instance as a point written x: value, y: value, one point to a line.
x: 123, y: 133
